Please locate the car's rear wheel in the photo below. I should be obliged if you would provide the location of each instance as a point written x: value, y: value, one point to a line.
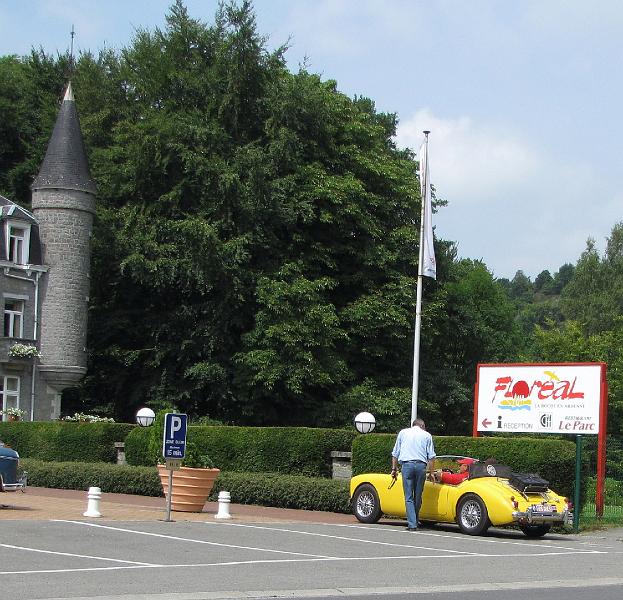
x: 366, y: 505
x: 535, y: 531
x: 472, y: 516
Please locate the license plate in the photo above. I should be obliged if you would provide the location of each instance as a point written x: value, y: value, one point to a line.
x: 543, y: 508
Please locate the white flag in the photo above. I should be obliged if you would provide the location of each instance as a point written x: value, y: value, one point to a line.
x: 429, y: 266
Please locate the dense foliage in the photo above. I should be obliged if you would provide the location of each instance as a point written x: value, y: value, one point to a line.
x: 65, y: 441
x: 256, y: 240
x: 255, y: 249
x: 266, y: 489
x: 293, y: 450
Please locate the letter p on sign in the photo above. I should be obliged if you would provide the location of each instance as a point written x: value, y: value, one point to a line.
x: 176, y: 425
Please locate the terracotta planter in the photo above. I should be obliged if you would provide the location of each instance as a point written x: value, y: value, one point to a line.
x: 14, y: 417
x: 191, y: 487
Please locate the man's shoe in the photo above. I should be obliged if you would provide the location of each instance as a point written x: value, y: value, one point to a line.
x: 411, y: 528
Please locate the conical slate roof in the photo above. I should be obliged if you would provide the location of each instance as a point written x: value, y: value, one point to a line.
x: 65, y: 164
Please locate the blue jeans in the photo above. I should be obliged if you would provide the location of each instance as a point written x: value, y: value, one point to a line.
x: 413, y: 477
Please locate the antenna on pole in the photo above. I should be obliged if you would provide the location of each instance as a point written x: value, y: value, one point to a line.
x: 71, y: 52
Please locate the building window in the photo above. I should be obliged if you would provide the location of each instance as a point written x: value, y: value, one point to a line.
x: 18, y: 240
x: 13, y: 318
x: 9, y: 390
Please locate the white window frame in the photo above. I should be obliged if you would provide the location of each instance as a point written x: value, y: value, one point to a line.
x: 5, y: 394
x: 11, y: 333
x: 21, y: 255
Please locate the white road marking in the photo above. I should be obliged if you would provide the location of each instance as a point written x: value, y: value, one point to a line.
x: 285, y: 561
x: 348, y: 539
x: 172, y: 537
x: 462, y: 537
x: 129, y: 562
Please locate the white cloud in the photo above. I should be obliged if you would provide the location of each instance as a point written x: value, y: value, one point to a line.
x: 468, y: 159
x: 509, y: 203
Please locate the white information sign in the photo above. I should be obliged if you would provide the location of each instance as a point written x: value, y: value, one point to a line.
x: 545, y: 398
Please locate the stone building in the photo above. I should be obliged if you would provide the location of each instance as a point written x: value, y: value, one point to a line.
x: 44, y: 276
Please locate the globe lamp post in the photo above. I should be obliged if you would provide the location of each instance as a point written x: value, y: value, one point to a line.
x: 145, y: 417
x: 365, y: 422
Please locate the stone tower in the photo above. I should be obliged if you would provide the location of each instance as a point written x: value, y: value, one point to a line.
x: 63, y: 202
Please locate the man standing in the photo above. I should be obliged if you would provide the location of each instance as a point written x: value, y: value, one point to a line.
x: 414, y: 450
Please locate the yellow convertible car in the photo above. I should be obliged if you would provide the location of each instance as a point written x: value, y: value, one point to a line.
x: 491, y: 495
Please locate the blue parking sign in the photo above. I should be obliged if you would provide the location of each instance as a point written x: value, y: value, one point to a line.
x: 174, y: 438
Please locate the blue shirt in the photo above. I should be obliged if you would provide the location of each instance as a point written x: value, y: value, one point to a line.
x: 414, y: 444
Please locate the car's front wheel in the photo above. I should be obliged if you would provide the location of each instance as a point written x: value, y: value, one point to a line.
x: 472, y: 516
x: 366, y: 505
x: 535, y: 531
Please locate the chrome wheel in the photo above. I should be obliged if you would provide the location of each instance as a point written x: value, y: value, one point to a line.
x: 366, y: 505
x: 472, y: 515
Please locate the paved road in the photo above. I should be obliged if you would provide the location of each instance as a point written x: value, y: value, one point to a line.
x: 208, y: 559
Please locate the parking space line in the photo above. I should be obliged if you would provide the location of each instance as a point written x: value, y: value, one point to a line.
x: 349, y: 539
x: 172, y: 537
x: 117, y: 560
x: 290, y: 561
x: 467, y: 538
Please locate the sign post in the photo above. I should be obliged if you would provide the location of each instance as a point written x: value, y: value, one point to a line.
x: 553, y: 398
x: 173, y: 449
x: 578, y: 479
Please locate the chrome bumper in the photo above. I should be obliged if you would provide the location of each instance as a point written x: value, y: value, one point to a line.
x: 20, y: 484
x: 564, y: 518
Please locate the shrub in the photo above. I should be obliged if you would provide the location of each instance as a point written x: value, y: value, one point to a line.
x: 292, y: 450
x: 284, y: 491
x: 62, y: 441
x: 267, y: 489
x: 123, y: 479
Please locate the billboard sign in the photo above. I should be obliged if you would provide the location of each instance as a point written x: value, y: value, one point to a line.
x: 539, y: 398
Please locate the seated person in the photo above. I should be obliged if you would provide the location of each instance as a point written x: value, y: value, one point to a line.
x: 456, y: 478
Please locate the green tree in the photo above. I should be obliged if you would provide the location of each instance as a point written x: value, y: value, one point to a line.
x: 256, y: 240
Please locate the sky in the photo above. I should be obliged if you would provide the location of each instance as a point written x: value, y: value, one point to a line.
x: 523, y: 100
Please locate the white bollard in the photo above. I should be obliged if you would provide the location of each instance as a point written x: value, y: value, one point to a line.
x: 93, y: 507
x: 224, y: 500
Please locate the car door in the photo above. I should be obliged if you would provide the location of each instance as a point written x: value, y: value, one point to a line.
x: 434, y: 502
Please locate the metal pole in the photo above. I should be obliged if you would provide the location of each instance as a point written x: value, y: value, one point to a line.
x: 578, y: 477
x: 418, y: 300
x: 169, y: 495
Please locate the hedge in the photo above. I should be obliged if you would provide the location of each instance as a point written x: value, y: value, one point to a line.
x: 65, y: 441
x: 266, y: 489
x: 552, y: 459
x: 121, y: 479
x: 285, y: 491
x: 291, y: 450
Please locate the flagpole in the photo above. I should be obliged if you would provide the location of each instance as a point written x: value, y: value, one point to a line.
x: 418, y: 300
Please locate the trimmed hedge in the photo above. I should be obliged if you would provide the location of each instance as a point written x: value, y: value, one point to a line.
x: 552, y: 459
x: 284, y: 491
x: 266, y: 489
x: 121, y: 479
x: 292, y: 450
x: 65, y: 441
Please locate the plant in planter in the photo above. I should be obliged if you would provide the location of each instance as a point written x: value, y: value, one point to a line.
x: 23, y: 351
x: 14, y: 414
x: 192, y: 483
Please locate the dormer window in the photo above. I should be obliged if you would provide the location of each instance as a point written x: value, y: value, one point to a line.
x: 18, y: 242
